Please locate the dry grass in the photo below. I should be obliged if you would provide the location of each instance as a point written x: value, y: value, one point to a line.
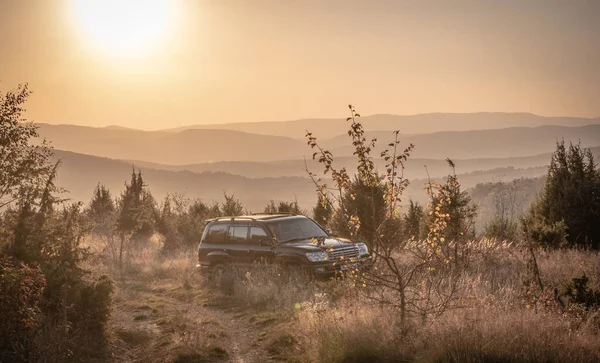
x: 495, y: 321
x: 163, y: 307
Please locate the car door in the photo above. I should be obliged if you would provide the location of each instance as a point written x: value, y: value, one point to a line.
x: 213, y: 249
x: 237, y: 244
x: 261, y: 245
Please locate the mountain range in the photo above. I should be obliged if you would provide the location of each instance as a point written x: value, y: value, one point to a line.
x: 262, y: 161
x: 409, y: 124
x: 204, y: 145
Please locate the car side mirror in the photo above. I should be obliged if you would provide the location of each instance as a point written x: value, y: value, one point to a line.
x: 329, y: 231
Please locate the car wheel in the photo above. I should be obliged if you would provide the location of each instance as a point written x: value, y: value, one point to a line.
x: 218, y: 275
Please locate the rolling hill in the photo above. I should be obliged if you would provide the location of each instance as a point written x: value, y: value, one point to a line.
x: 204, y: 146
x: 498, y: 143
x: 79, y: 174
x: 190, y: 146
x: 414, y: 166
x: 411, y: 124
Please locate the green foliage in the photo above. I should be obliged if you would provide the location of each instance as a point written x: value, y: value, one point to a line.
x: 40, y: 234
x: 181, y: 221
x: 284, y: 207
x: 366, y: 201
x: 452, y: 213
x: 568, y: 209
x: 41, y: 254
x: 136, y: 210
x: 501, y: 229
x: 579, y: 292
x: 101, y: 211
x: 232, y: 206
x: 508, y: 200
x: 413, y: 220
x: 323, y: 211
x: 366, y: 206
x: 23, y: 167
x: 21, y: 288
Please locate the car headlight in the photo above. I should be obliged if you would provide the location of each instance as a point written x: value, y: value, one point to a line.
x: 362, y: 249
x: 317, y: 256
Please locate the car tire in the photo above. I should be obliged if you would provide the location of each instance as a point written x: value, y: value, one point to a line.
x: 220, y: 275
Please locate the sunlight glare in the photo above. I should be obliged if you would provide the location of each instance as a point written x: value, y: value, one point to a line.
x: 123, y: 28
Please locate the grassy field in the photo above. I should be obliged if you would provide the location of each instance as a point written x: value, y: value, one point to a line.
x: 165, y: 312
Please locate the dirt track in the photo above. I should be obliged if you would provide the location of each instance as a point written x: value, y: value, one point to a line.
x: 170, y: 322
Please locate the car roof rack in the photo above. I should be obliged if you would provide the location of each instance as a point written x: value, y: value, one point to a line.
x: 230, y: 218
x: 274, y: 213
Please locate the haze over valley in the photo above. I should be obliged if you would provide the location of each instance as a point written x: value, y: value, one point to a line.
x: 207, y: 162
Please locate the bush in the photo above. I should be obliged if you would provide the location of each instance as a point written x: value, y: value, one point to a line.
x: 579, y: 292
x: 21, y: 288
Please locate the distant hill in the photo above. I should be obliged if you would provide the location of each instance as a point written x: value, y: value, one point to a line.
x: 500, y: 143
x: 414, y: 166
x: 190, y: 146
x: 79, y: 174
x: 411, y: 124
x: 203, y: 146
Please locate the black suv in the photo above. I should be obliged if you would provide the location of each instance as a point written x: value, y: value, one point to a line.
x: 287, y: 240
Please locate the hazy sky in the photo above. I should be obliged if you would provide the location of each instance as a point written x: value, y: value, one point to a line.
x: 214, y: 61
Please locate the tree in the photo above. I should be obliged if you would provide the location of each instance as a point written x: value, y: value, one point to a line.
x: 508, y: 199
x: 232, y: 206
x: 181, y: 221
x: 454, y: 205
x: 101, y: 210
x: 567, y: 211
x: 23, y: 166
x: 407, y: 274
x: 135, y: 220
x: 44, y: 241
x: 284, y: 207
x: 323, y: 211
x: 413, y: 220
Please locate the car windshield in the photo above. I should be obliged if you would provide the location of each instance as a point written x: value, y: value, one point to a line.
x: 295, y: 229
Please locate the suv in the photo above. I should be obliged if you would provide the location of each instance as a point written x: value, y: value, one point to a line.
x: 285, y: 240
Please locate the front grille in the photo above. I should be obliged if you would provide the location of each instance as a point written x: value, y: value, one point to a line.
x: 343, y: 255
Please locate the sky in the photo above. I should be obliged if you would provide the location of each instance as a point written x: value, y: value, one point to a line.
x: 218, y: 61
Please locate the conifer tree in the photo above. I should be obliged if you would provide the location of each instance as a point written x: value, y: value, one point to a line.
x: 568, y: 209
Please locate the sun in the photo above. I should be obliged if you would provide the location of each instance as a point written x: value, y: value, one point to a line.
x: 123, y: 27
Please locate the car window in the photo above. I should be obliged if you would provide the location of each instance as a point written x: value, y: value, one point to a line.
x: 258, y: 235
x: 216, y: 233
x: 237, y: 234
x: 296, y: 229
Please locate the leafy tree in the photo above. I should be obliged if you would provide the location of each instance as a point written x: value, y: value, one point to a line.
x: 23, y: 166
x: 406, y: 273
x: 40, y: 249
x: 73, y: 306
x: 568, y: 209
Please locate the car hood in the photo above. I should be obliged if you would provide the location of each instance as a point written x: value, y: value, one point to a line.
x: 328, y: 243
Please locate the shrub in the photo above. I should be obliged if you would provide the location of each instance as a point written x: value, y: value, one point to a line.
x: 579, y: 292
x: 21, y: 288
